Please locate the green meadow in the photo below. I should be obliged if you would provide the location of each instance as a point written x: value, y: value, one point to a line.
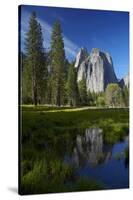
x: 49, y: 132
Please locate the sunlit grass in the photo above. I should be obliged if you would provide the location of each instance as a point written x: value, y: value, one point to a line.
x: 48, y: 108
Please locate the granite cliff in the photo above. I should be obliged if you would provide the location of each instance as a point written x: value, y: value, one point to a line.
x: 124, y: 82
x: 97, y: 67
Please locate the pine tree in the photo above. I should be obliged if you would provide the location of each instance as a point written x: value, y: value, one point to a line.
x: 35, y: 72
x: 57, y: 65
x: 72, y: 87
x: 26, y: 82
x: 83, y: 91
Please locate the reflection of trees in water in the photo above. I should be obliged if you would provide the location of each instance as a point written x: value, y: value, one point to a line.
x: 89, y: 148
x: 80, y: 148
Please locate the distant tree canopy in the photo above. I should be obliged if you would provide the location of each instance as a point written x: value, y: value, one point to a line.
x: 82, y: 91
x: 113, y: 95
x: 47, y: 77
x: 125, y: 93
x: 100, y: 101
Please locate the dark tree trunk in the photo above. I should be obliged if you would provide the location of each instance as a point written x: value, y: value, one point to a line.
x: 35, y: 97
x: 58, y: 96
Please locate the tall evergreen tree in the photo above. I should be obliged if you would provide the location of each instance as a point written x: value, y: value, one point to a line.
x: 57, y: 64
x: 83, y: 91
x: 72, y: 87
x: 35, y: 72
x: 49, y: 78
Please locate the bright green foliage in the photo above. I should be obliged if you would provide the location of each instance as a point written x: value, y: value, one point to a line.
x: 125, y: 93
x: 46, y: 177
x: 72, y: 87
x: 35, y: 73
x: 83, y: 91
x: 100, y: 101
x: 57, y: 65
x: 90, y: 99
x: 113, y: 95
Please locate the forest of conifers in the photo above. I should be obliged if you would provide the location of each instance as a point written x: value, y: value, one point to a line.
x: 47, y: 77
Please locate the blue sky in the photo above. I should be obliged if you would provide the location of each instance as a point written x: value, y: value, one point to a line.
x: 106, y: 30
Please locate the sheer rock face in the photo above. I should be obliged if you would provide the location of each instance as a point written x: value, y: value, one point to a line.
x: 97, y: 68
x: 81, y: 56
x: 124, y: 82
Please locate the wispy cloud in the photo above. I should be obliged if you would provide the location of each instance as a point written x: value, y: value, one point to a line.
x: 46, y: 30
x: 70, y: 47
x: 55, y: 15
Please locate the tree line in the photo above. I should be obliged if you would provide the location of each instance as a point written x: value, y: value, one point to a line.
x: 47, y: 77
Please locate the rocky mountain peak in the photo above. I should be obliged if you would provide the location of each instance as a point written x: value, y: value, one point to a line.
x: 81, y: 56
x: 97, y: 68
x: 124, y: 82
x: 95, y: 51
x: 108, y: 58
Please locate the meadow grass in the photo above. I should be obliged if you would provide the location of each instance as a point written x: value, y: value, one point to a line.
x: 35, y: 116
x: 47, y: 136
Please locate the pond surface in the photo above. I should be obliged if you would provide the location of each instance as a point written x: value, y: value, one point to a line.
x: 94, y: 159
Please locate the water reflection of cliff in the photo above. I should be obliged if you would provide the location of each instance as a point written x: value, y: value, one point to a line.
x: 89, y: 148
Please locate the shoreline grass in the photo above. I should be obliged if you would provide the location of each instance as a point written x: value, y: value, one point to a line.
x: 56, y: 131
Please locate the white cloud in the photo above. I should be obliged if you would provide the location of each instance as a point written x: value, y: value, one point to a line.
x: 70, y: 47
x: 46, y: 30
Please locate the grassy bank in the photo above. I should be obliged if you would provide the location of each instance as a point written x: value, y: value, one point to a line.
x: 46, y: 136
x: 37, y: 116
